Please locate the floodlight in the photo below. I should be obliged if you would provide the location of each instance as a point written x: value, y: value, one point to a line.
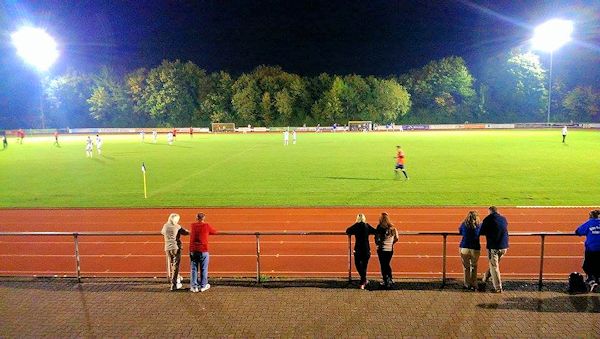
x: 552, y: 34
x: 549, y: 37
x: 36, y: 47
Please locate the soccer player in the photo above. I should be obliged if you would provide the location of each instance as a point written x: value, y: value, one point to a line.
x: 20, y: 135
x: 400, y: 162
x: 142, y: 135
x: 4, y: 142
x: 88, y: 147
x: 56, y: 138
x: 564, y: 133
x: 174, y: 133
x: 191, y: 132
x: 294, y: 137
x: 98, y: 144
x: 170, y: 138
x: 286, y: 137
x: 154, y: 136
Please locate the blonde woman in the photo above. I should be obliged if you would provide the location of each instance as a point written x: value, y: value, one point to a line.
x: 172, y: 232
x: 387, y: 236
x: 470, y: 248
x: 362, y: 251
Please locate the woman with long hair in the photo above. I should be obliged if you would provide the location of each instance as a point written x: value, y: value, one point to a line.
x: 362, y: 251
x: 387, y: 236
x: 470, y: 248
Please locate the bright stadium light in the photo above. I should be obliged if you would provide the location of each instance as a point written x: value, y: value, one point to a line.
x: 36, y: 47
x: 552, y: 34
x: 548, y: 37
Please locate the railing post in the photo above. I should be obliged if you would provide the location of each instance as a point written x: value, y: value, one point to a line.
x: 445, y: 235
x: 541, y: 262
x: 349, y: 258
x: 257, y: 257
x: 78, y: 266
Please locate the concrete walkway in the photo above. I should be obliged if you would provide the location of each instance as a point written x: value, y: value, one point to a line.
x: 325, y: 308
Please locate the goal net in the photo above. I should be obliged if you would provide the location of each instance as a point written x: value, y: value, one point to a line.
x: 360, y: 125
x: 222, y: 127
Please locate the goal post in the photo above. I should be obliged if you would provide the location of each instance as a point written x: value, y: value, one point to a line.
x: 222, y: 127
x: 360, y: 125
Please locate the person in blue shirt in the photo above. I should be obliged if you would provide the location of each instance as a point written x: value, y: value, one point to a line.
x: 591, y: 261
x: 469, y: 249
x: 495, y: 229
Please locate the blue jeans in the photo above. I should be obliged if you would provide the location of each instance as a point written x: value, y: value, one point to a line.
x: 199, y: 259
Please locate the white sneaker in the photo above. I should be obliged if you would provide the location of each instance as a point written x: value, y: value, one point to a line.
x: 193, y: 289
x: 179, y: 285
x: 205, y: 288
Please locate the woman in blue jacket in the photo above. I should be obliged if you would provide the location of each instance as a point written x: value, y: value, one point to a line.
x: 591, y: 261
x: 470, y: 249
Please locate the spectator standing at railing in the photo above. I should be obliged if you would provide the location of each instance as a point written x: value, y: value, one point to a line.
x: 387, y: 236
x: 199, y: 255
x: 172, y: 232
x: 362, y: 250
x: 470, y: 249
x: 591, y: 261
x: 495, y: 229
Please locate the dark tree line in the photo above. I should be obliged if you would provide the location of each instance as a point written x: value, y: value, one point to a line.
x: 512, y: 88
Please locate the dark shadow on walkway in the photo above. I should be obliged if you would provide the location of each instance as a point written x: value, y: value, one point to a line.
x: 589, y: 303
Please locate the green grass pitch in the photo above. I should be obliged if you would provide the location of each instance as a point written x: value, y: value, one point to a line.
x: 446, y: 168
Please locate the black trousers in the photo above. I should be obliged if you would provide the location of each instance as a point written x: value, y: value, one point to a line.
x: 591, y: 264
x: 385, y: 257
x: 361, y: 261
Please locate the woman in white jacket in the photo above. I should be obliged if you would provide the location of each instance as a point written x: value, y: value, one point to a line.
x: 172, y: 232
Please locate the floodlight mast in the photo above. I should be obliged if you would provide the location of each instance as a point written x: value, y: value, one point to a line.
x: 37, y: 48
x: 548, y: 37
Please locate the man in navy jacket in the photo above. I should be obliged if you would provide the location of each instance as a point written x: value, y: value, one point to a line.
x: 495, y: 229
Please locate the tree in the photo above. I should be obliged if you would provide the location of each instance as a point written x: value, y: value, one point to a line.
x: 582, y: 104
x: 67, y: 97
x: 391, y: 101
x: 442, y: 89
x: 217, y: 107
x: 109, y: 102
x: 174, y: 91
x: 269, y: 95
x: 135, y: 86
x: 515, y: 87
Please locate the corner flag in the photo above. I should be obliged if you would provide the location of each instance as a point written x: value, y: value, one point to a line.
x: 144, y: 174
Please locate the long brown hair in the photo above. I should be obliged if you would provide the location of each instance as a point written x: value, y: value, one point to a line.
x: 384, y: 221
x: 472, y: 219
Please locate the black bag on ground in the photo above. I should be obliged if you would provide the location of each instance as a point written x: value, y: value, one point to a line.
x: 577, y: 283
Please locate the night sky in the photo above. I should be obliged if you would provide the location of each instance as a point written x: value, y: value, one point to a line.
x: 306, y: 37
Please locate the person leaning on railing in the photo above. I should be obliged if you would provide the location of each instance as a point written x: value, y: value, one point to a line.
x: 199, y: 255
x: 591, y: 261
x: 470, y: 249
x: 362, y: 250
x: 172, y: 232
x: 387, y: 236
x: 495, y: 229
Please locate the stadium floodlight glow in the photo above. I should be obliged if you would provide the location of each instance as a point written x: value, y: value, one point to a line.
x: 36, y: 47
x: 548, y: 37
x: 552, y: 34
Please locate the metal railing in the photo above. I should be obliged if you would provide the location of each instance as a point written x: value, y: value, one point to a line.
x: 444, y: 235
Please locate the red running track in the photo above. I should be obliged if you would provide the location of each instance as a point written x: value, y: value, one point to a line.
x: 315, y: 256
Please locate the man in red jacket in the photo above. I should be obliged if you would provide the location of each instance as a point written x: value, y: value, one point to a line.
x: 199, y: 256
